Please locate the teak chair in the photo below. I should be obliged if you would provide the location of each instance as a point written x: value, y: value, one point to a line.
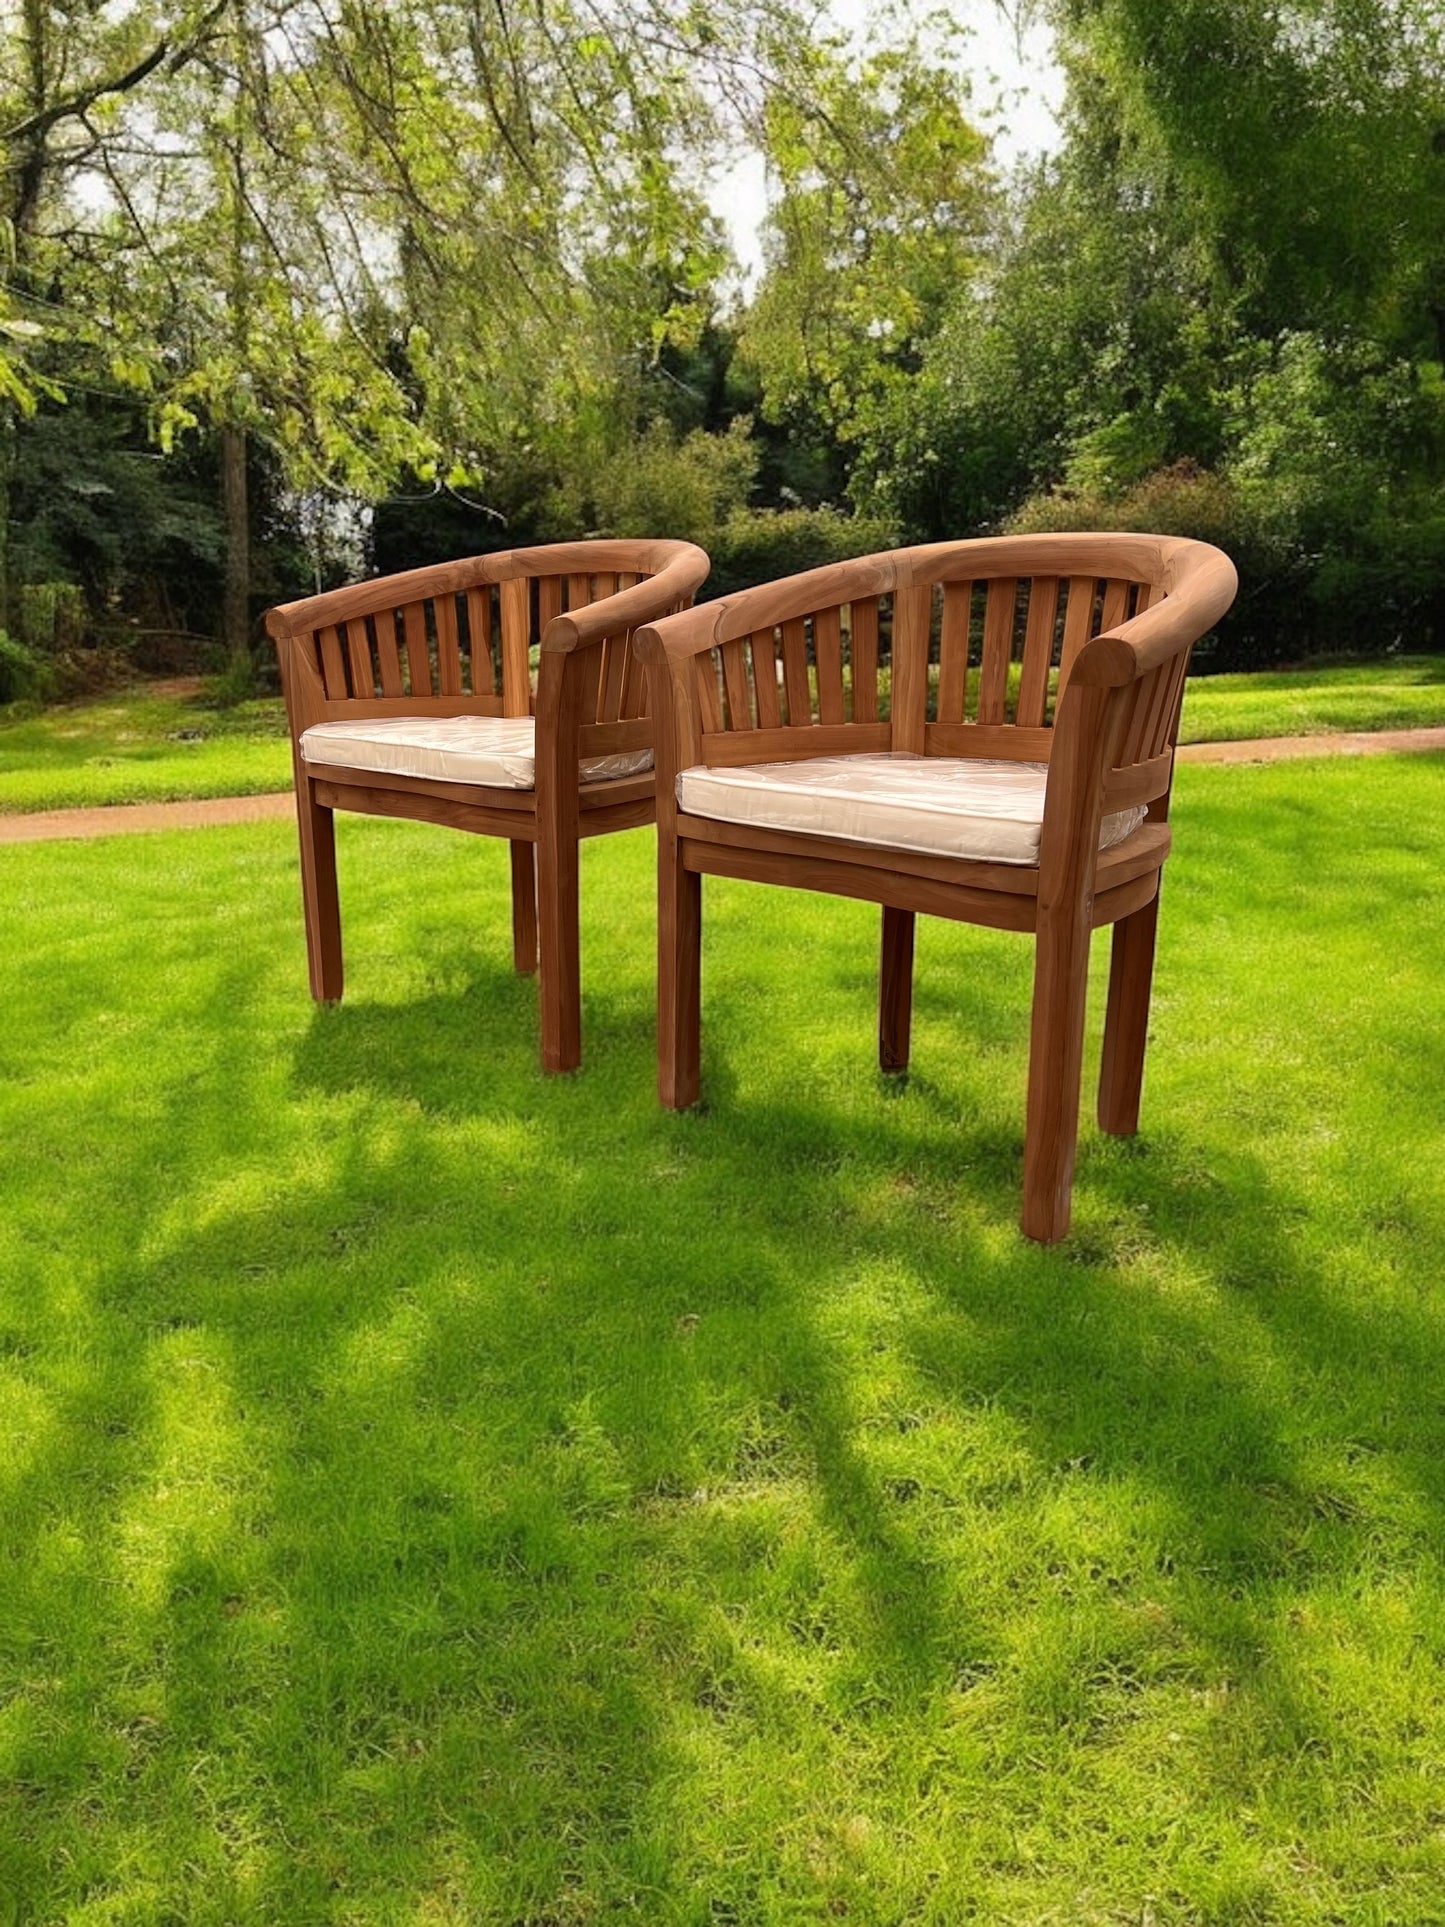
x: 977, y: 798
x: 411, y: 695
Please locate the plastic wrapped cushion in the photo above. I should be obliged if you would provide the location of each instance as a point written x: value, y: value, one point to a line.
x: 987, y: 812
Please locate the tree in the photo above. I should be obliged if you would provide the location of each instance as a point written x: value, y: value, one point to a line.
x: 419, y: 237
x: 882, y: 211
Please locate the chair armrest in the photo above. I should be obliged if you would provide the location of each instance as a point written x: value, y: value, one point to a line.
x: 1122, y: 655
x: 678, y: 581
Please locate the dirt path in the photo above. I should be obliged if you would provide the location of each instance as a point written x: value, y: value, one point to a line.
x: 46, y: 826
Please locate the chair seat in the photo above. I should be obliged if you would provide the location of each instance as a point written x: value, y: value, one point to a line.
x: 934, y: 805
x: 496, y: 752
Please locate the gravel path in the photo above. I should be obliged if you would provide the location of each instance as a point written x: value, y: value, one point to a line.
x: 46, y: 826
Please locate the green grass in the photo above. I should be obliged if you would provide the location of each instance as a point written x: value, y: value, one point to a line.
x: 438, y: 1494
x: 141, y: 747
x: 1408, y: 693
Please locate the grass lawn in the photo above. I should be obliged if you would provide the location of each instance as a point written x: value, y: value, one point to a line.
x: 1408, y: 693
x: 437, y: 1494
x: 143, y: 747
x: 140, y: 747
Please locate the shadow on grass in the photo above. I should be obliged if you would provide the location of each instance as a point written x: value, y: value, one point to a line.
x: 449, y: 1502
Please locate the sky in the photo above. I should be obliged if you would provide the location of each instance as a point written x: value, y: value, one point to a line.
x: 1015, y: 85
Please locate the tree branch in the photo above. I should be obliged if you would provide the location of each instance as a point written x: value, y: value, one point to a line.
x: 77, y: 105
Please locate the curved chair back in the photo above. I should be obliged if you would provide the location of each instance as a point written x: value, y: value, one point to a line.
x: 460, y: 638
x: 986, y: 648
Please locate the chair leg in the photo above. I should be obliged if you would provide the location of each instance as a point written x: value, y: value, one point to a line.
x: 895, y: 990
x: 1126, y: 1025
x: 319, y: 901
x: 561, y: 956
x: 679, y: 979
x: 1056, y: 1053
x: 524, y: 907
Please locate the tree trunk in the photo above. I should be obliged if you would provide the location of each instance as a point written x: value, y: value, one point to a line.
x: 7, y: 470
x: 236, y: 514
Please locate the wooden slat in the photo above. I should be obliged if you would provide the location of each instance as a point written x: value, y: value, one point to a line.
x: 863, y: 651
x: 1116, y: 604
x: 1078, y: 625
x: 704, y: 671
x: 953, y: 651
x: 1163, y: 725
x: 609, y: 687
x: 449, y: 655
x: 333, y: 665
x: 579, y: 591
x: 475, y: 811
x: 801, y: 870
x: 358, y: 650
x: 998, y: 637
x: 1143, y: 698
x: 1002, y: 742
x: 795, y: 673
x: 735, y: 682
x: 516, y: 647
x: 387, y: 654
x: 828, y: 655
x: 727, y: 749
x: 1138, y: 855
x: 479, y: 636
x: 912, y: 618
x: 418, y: 663
x: 611, y: 739
x: 634, y: 681
x: 765, y: 678
x: 1038, y: 651
x: 1125, y: 788
x: 348, y: 710
x: 549, y: 600
x: 1145, y: 599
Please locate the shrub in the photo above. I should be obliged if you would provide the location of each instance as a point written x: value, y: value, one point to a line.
x: 24, y: 675
x: 662, y: 486
x: 758, y: 545
x: 1376, y: 595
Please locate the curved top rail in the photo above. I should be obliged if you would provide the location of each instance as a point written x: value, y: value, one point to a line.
x: 334, y: 606
x: 677, y: 581
x: 1199, y: 583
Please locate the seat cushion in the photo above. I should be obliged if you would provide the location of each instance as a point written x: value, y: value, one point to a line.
x: 498, y: 752
x: 935, y: 805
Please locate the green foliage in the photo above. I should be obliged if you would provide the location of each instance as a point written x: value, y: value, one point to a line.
x: 1273, y: 620
x: 25, y: 675
x: 759, y: 545
x: 1218, y: 312
x: 882, y: 205
x: 661, y: 485
x: 1304, y: 140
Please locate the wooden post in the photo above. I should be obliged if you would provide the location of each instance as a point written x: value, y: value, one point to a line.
x: 679, y: 978
x: 1126, y: 1025
x: 559, y: 696
x: 1067, y: 858
x: 319, y: 900
x: 524, y: 906
x: 895, y: 990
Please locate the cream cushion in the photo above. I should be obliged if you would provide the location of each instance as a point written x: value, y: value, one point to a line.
x: 935, y: 805
x: 498, y: 752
